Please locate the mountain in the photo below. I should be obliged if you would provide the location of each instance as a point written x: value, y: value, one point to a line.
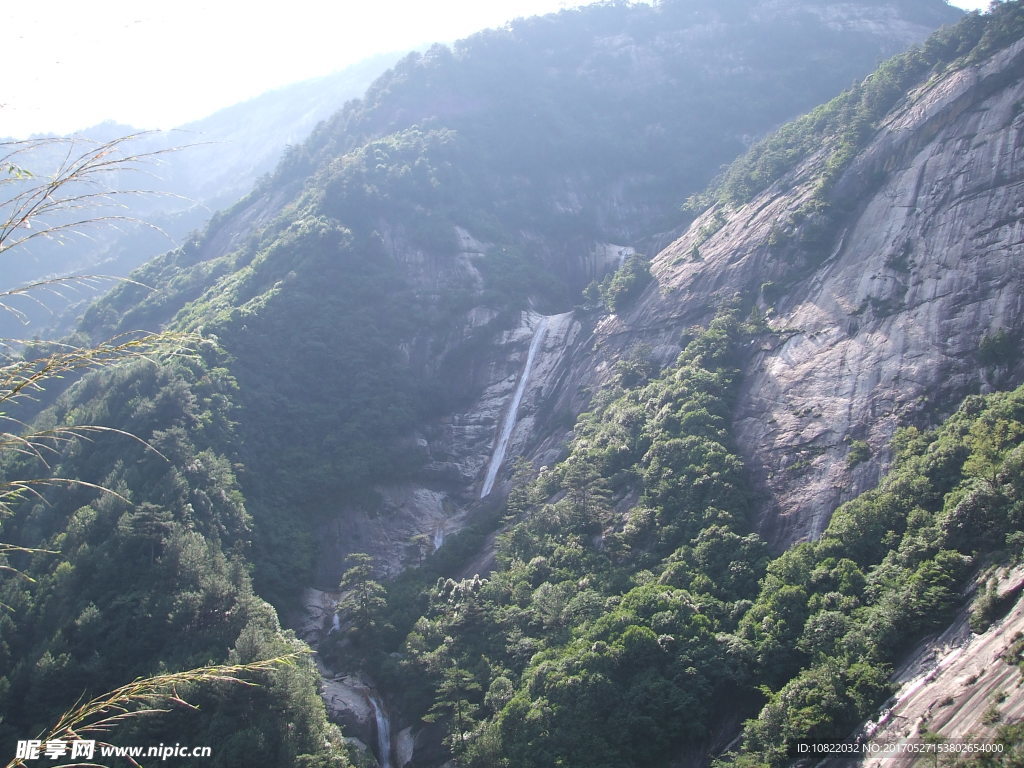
x: 631, y: 482
x: 488, y: 106
x: 396, y: 248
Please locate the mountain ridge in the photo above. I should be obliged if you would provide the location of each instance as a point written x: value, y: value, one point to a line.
x: 190, y: 172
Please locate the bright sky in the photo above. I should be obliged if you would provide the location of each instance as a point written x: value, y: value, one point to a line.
x: 70, y: 64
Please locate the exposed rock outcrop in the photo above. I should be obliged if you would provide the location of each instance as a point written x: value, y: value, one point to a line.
x: 880, y: 326
x: 406, y: 522
x: 959, y: 686
x: 877, y: 327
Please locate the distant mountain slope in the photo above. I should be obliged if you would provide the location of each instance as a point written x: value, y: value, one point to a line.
x: 219, y: 160
x: 859, y: 271
x: 570, y: 129
x: 238, y: 144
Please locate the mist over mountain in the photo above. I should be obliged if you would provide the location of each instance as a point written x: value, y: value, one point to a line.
x: 634, y: 385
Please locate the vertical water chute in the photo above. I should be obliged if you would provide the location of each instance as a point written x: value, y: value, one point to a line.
x: 383, y: 722
x: 509, y: 422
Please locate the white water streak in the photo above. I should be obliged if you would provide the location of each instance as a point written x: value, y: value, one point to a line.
x: 498, y: 456
x: 383, y: 729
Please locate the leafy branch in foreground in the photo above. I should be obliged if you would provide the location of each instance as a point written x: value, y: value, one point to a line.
x: 21, y: 377
x: 80, y: 190
x: 78, y: 193
x: 61, y: 288
x: 148, y: 695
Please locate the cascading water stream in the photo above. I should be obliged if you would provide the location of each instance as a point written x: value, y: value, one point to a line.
x: 383, y: 729
x: 438, y: 537
x: 498, y: 456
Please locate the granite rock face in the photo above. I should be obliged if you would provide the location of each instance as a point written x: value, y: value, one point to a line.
x: 955, y: 683
x: 879, y: 325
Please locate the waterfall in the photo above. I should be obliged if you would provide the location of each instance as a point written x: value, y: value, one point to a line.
x: 335, y: 622
x: 438, y: 537
x: 383, y: 729
x: 498, y: 456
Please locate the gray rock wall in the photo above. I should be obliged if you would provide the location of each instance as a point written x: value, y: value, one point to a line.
x: 881, y: 326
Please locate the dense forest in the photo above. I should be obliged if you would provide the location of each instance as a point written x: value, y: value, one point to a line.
x: 630, y: 612
x: 586, y: 642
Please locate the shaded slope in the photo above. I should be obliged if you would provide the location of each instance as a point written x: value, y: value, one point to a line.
x: 149, y: 576
x: 621, y: 557
x: 627, y: 580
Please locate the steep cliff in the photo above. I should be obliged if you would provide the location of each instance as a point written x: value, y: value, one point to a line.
x: 959, y: 684
x: 876, y: 315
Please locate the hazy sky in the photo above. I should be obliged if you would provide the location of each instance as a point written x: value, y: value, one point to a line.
x: 70, y: 64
